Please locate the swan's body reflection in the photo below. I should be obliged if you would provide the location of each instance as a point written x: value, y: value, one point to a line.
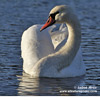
x: 46, y: 86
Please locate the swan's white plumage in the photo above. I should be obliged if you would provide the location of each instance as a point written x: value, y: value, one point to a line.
x: 35, y: 45
x: 39, y: 50
x: 59, y: 35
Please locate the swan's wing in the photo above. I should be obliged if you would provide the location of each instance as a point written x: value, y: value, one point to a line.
x: 35, y: 44
x: 58, y: 36
x: 33, y: 36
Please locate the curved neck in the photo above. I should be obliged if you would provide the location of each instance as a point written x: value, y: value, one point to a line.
x: 67, y: 53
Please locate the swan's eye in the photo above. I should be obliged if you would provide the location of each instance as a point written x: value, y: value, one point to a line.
x: 54, y: 14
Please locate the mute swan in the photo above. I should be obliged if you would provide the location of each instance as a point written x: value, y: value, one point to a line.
x: 40, y: 59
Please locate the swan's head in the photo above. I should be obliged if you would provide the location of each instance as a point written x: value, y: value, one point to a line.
x: 59, y: 14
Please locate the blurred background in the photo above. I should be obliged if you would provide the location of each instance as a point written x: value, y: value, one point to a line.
x: 18, y: 15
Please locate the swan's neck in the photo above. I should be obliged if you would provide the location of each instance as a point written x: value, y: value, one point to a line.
x: 69, y: 50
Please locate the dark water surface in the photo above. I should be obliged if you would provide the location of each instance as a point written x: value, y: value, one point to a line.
x: 18, y: 15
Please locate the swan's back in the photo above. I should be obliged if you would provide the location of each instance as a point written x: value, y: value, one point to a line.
x: 35, y: 45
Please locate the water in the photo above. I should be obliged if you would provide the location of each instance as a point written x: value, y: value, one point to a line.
x: 15, y: 17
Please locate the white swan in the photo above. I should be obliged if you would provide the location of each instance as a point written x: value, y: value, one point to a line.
x: 40, y: 59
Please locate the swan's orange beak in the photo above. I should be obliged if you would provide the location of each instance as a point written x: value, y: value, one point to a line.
x: 49, y: 22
